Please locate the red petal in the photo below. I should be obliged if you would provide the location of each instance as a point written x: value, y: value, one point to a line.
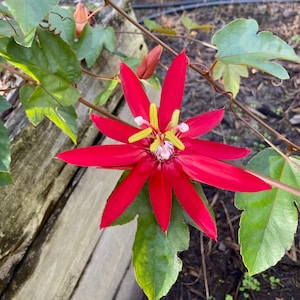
x: 192, y: 203
x: 161, y: 198
x: 116, y: 130
x: 221, y: 175
x: 124, y: 194
x: 172, y: 90
x: 106, y: 156
x: 134, y: 93
x: 203, y: 123
x: 214, y: 150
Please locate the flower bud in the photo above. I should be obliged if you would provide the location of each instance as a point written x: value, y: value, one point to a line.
x: 149, y: 63
x: 81, y: 17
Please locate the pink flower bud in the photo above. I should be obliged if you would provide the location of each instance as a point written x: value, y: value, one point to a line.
x: 81, y: 17
x: 147, y: 67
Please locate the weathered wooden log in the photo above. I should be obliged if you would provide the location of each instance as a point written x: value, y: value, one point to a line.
x: 50, y: 243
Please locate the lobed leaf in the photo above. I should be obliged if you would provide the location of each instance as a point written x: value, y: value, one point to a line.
x: 270, y: 218
x: 239, y: 43
x: 91, y: 43
x: 231, y: 75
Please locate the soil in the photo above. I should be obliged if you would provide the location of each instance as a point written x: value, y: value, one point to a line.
x: 214, y: 270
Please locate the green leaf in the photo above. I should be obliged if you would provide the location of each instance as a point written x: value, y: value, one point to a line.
x: 102, y: 98
x: 4, y: 104
x: 154, y: 81
x: 61, y: 21
x: 109, y: 39
x: 231, y: 75
x: 52, y: 63
x: 29, y: 13
x: 5, y: 179
x: 12, y: 29
x: 63, y: 117
x: 5, y: 159
x: 155, y: 253
x: 188, y: 23
x: 53, y: 92
x: 152, y: 25
x: 90, y: 44
x: 270, y: 218
x: 239, y: 44
x: 49, y: 55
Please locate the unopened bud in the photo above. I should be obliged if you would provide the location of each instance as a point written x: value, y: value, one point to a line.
x: 149, y: 63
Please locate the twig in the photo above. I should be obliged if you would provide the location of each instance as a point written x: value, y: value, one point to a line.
x: 100, y: 110
x: 99, y: 76
x: 204, y: 266
x: 17, y: 72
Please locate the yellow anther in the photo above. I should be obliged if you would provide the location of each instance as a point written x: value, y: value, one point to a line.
x: 155, y: 144
x: 174, y: 140
x: 140, y: 135
x: 175, y: 117
x: 153, y: 116
x: 174, y: 120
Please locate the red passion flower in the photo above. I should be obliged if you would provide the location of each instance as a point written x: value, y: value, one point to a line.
x: 165, y: 153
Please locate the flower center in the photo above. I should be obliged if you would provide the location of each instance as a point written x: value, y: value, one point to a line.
x: 163, y: 143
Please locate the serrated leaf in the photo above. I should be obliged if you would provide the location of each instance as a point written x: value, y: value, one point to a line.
x: 154, y: 26
x: 102, y: 98
x: 61, y: 21
x: 5, y: 159
x: 239, y: 43
x: 29, y: 13
x: 188, y: 23
x: 231, y: 75
x: 155, y: 253
x: 270, y: 218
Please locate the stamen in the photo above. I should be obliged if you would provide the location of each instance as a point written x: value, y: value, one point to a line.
x: 174, y: 140
x: 153, y: 116
x: 183, y: 127
x: 140, y: 135
x: 141, y: 121
x: 175, y: 118
x: 155, y: 144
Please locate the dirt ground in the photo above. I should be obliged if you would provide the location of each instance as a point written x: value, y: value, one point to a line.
x: 214, y: 270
